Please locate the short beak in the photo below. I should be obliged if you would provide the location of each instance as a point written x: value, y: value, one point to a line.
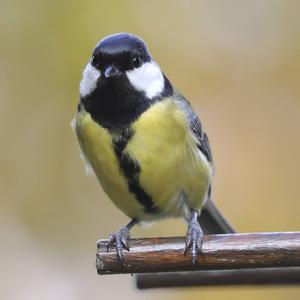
x: 111, y: 71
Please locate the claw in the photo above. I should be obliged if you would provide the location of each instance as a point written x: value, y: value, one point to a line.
x: 124, y: 243
x: 194, y: 238
x: 119, y: 239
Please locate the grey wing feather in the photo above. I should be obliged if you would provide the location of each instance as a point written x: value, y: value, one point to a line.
x: 211, y: 219
x: 202, y: 139
x: 196, y: 127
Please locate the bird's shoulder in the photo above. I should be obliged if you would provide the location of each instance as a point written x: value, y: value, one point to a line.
x: 195, y: 126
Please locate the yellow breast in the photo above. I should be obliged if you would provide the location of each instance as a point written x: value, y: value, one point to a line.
x: 96, y: 145
x: 164, y: 148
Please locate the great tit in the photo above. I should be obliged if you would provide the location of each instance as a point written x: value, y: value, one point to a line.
x: 144, y: 142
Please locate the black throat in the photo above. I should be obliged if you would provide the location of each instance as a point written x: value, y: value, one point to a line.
x: 115, y: 104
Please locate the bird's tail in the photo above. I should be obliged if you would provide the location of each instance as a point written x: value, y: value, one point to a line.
x: 212, y: 221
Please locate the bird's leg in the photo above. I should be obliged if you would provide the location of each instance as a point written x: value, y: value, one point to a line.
x: 120, y: 239
x: 194, y: 237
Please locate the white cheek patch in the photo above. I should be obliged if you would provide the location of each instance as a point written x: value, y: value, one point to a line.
x: 148, y: 78
x: 89, y: 80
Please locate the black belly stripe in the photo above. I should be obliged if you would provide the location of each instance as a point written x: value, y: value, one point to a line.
x: 131, y: 170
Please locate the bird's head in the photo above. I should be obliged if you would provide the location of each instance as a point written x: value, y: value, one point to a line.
x: 122, y: 60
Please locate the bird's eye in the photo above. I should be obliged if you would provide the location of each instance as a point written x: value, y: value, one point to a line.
x: 136, y: 61
x: 95, y: 61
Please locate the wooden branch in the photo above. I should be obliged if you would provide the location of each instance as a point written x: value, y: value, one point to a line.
x: 220, y: 252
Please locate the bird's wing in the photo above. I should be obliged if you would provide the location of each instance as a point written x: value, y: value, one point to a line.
x: 211, y: 219
x: 203, y: 143
x: 196, y: 127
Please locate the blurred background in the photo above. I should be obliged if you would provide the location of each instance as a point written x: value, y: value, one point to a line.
x: 239, y: 64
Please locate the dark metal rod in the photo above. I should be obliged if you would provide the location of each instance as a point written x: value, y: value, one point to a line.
x: 219, y: 277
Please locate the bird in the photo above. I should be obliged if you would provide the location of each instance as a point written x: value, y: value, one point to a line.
x: 145, y: 143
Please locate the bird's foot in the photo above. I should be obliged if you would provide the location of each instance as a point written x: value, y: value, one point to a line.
x: 120, y: 241
x: 194, y: 238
